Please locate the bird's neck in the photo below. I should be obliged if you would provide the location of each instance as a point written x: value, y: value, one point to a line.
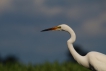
x: 73, y: 36
x: 80, y: 59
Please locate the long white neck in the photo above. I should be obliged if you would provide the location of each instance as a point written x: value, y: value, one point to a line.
x: 80, y: 59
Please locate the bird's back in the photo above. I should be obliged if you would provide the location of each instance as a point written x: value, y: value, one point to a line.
x: 97, y: 60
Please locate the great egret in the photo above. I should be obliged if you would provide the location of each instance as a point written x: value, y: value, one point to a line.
x: 95, y: 61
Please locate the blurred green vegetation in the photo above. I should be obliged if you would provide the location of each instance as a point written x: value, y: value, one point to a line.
x: 47, y: 66
x: 12, y: 63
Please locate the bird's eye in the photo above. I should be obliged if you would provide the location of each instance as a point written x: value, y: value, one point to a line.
x: 59, y: 26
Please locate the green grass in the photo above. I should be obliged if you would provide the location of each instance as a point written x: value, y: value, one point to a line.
x: 66, y: 66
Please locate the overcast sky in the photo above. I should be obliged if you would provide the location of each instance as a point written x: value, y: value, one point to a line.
x: 22, y: 20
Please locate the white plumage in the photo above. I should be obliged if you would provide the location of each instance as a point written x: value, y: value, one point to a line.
x: 93, y: 60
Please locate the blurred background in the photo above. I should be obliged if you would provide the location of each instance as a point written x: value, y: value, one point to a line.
x: 22, y: 20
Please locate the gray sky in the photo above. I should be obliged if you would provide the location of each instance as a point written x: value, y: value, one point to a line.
x: 22, y: 20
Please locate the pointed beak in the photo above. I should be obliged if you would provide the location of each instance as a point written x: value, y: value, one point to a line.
x: 50, y: 29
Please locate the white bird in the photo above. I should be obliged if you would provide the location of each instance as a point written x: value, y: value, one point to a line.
x: 95, y: 61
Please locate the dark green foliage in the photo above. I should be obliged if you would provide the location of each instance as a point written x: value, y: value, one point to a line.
x: 47, y: 66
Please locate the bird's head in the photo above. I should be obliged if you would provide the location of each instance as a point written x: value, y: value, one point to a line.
x: 62, y: 27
